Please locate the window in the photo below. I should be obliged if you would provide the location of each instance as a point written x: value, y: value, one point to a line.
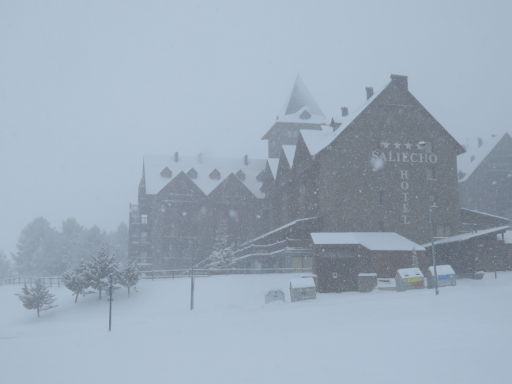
x: 215, y: 175
x: 431, y: 172
x: 443, y: 230
x: 241, y: 175
x: 166, y: 172
x: 305, y: 115
x: 143, y: 219
x: 192, y: 173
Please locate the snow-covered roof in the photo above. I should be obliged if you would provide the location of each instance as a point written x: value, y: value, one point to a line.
x: 273, y: 164
x: 445, y: 269
x: 301, y: 107
x: 156, y: 179
x: 469, y: 235
x: 317, y: 140
x: 485, y: 214
x: 409, y: 272
x: 289, y: 151
x: 281, y: 228
x: 477, y: 149
x: 303, y: 282
x: 374, y: 241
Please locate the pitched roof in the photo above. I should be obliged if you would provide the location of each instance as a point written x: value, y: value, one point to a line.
x: 317, y: 140
x: 289, y: 152
x: 273, y: 164
x: 301, y: 100
x: 477, y: 149
x: 301, y: 111
x: 374, y: 241
x: 321, y: 139
x: 469, y: 235
x: 204, y: 166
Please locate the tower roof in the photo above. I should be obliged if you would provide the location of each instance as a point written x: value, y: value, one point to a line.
x: 301, y: 106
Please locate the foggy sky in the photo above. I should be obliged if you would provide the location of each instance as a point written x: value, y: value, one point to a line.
x: 88, y: 87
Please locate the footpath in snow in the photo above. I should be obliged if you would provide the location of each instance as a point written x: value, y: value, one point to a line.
x: 464, y: 335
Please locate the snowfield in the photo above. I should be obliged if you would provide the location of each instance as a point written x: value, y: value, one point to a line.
x: 464, y: 335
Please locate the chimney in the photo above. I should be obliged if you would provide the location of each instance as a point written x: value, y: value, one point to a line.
x: 369, y: 92
x: 176, y: 157
x: 246, y: 160
x: 400, y: 80
x: 200, y: 158
x: 344, y: 111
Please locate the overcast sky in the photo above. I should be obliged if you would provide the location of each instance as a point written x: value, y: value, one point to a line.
x: 88, y: 87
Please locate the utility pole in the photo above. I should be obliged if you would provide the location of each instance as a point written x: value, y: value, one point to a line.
x: 191, y: 289
x: 433, y: 248
x: 110, y: 302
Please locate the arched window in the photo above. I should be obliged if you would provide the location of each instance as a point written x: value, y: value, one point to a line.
x: 166, y: 172
x: 215, y: 175
x: 192, y: 173
x: 241, y: 175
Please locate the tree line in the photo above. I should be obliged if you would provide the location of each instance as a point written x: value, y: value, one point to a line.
x: 45, y: 251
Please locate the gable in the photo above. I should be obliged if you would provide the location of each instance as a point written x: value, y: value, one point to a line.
x: 180, y: 186
x: 393, y: 105
x: 232, y: 188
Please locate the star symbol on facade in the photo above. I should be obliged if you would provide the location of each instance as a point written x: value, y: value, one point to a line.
x: 408, y: 145
x: 397, y: 145
x: 385, y: 144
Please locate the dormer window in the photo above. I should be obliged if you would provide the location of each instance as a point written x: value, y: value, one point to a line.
x: 166, y: 172
x: 192, y: 173
x: 215, y: 175
x: 261, y: 176
x: 305, y: 115
x: 241, y: 175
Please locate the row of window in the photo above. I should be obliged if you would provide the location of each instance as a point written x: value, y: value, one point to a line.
x: 192, y: 173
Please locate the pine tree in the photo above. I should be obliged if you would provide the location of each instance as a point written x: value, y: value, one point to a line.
x: 38, y: 251
x: 129, y: 276
x: 98, y: 270
x: 77, y: 280
x: 37, y: 297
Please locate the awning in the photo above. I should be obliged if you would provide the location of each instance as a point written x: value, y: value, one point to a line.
x: 373, y: 241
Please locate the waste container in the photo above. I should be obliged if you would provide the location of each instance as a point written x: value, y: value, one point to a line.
x: 302, y: 288
x: 409, y: 278
x: 445, y: 276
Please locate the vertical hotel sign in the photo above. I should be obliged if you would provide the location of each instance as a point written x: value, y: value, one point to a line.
x: 404, y: 155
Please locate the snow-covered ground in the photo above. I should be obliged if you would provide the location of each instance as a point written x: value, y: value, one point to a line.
x: 464, y: 335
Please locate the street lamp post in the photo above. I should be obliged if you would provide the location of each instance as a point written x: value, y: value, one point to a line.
x: 433, y: 247
x: 110, y: 287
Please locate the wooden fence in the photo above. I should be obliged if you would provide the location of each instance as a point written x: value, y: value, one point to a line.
x: 56, y: 281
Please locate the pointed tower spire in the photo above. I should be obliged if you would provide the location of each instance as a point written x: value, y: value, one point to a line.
x: 301, y: 111
x: 301, y: 99
x: 142, y: 183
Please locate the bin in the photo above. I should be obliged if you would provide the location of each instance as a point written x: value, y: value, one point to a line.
x: 409, y: 278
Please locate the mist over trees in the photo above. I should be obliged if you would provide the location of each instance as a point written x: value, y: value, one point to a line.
x: 5, y: 265
x: 44, y: 250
